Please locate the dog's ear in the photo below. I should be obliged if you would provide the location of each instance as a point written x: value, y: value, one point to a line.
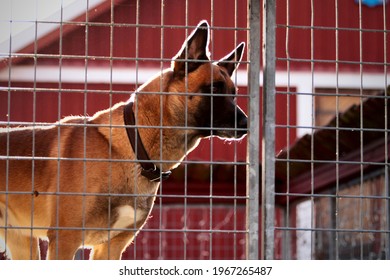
x: 232, y: 60
x: 193, y: 51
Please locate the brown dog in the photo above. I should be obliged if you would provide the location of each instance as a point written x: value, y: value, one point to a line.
x: 80, y: 183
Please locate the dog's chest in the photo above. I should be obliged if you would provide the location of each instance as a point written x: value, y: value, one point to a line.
x: 126, y: 217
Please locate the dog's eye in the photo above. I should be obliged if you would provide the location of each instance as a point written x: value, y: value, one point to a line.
x: 211, y: 89
x: 215, y: 89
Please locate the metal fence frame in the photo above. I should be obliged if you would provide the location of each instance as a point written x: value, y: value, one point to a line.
x: 253, y: 240
x: 268, y: 138
x: 266, y: 239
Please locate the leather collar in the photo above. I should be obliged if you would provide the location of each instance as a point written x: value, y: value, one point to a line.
x: 149, y: 169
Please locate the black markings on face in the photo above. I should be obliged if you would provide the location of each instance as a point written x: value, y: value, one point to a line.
x: 217, y: 106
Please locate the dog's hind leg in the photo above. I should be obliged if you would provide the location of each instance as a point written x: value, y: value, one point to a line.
x: 112, y: 249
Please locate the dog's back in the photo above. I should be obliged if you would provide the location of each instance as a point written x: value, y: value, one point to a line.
x: 29, y: 151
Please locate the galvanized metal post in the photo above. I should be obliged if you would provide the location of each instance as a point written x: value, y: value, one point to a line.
x: 252, y: 216
x: 268, y: 138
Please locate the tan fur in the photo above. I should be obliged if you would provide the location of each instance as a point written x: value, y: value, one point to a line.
x: 81, y: 173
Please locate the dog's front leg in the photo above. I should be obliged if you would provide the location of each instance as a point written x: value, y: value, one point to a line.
x: 63, y: 244
x: 22, y: 247
x: 112, y: 249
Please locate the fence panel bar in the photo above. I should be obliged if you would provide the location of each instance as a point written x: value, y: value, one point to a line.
x: 252, y: 215
x: 268, y: 138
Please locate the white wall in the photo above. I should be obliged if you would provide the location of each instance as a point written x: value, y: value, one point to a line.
x: 22, y: 21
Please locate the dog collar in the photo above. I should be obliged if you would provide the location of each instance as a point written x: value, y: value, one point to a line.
x: 148, y: 169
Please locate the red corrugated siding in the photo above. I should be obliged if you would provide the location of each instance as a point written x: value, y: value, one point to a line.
x: 324, y: 35
x: 153, y: 42
x: 47, y: 104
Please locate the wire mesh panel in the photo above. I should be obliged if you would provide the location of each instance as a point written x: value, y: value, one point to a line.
x: 81, y: 121
x: 332, y: 176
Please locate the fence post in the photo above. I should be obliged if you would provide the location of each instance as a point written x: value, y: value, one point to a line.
x: 268, y: 138
x: 252, y: 211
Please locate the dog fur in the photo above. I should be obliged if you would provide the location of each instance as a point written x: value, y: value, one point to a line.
x: 77, y: 182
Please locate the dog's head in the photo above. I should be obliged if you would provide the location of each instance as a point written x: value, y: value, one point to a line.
x: 211, y: 94
x: 201, y: 94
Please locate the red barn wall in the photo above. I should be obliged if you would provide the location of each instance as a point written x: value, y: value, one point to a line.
x: 319, y: 43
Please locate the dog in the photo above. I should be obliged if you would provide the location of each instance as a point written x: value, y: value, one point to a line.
x: 92, y: 181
